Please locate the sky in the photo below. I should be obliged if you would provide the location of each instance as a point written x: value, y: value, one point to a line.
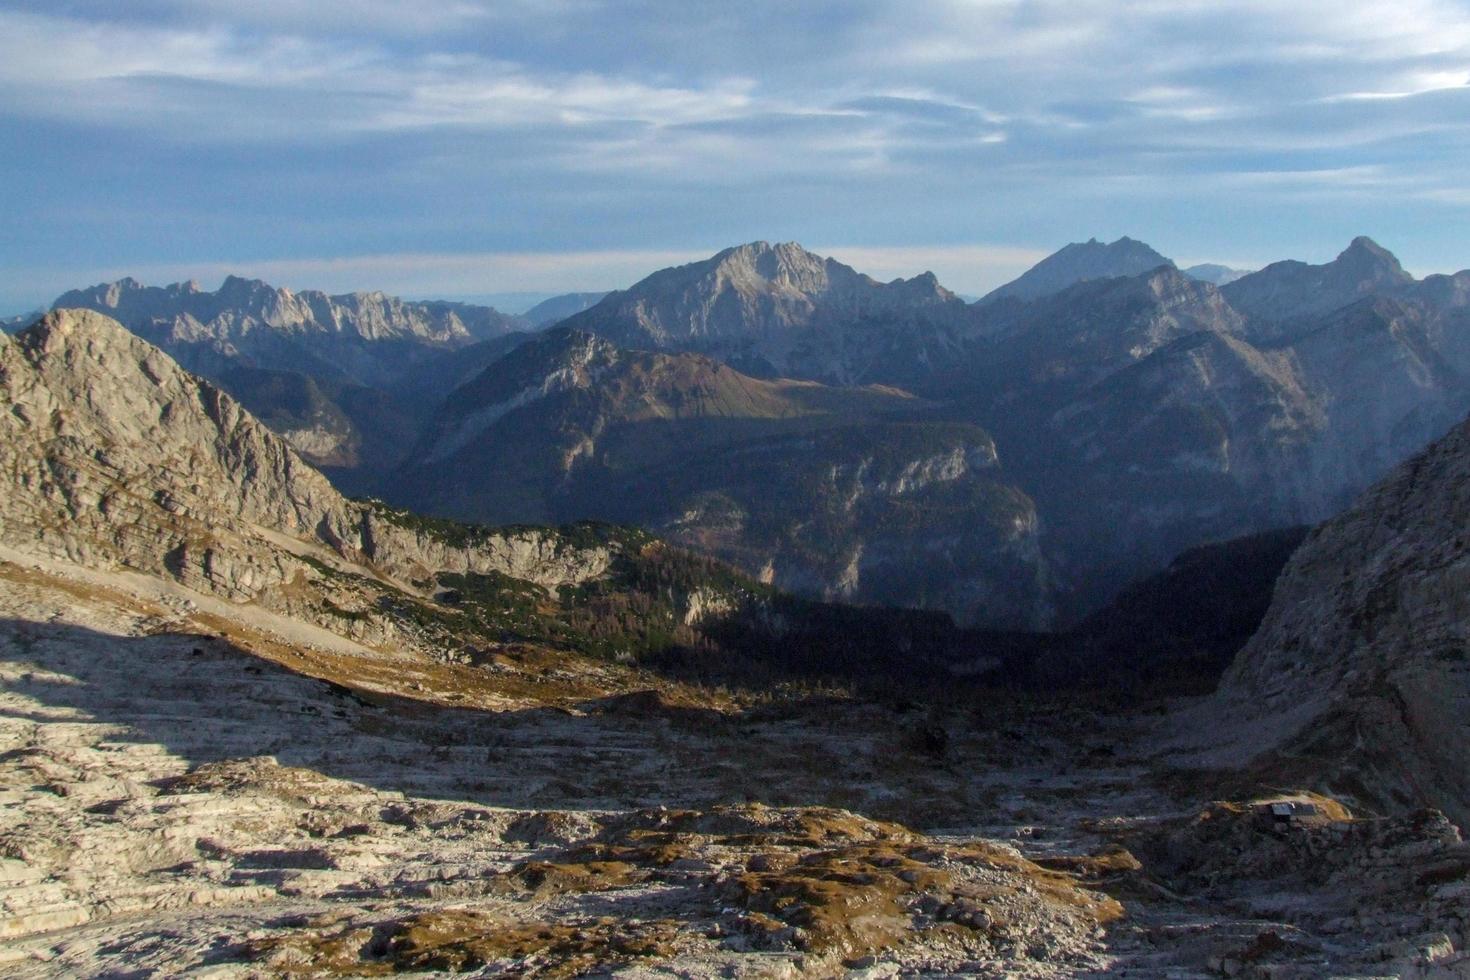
x: 468, y: 147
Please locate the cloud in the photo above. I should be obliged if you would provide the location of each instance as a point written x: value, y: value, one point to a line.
x: 358, y: 17
x: 1417, y: 83
x: 470, y: 126
x: 676, y: 87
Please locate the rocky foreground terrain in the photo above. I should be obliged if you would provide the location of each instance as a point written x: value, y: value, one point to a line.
x: 187, y: 793
x: 250, y: 728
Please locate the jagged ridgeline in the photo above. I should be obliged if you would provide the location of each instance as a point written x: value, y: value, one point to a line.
x: 121, y: 462
x: 1015, y: 462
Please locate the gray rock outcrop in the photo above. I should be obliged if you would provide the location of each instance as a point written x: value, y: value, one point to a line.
x: 1359, y: 677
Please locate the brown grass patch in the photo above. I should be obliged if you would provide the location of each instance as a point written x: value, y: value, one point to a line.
x: 461, y: 940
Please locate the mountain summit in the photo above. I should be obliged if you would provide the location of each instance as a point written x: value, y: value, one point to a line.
x: 1291, y: 289
x: 1079, y: 262
x: 782, y: 310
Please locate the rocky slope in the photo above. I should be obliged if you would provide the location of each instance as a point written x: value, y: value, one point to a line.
x: 350, y: 817
x: 121, y: 463
x: 1080, y: 262
x: 1087, y: 331
x: 249, y: 727
x: 1359, y: 676
x: 1137, y: 417
x: 835, y: 492
x: 781, y: 310
x: 1152, y: 406
x: 585, y: 831
x: 1157, y: 404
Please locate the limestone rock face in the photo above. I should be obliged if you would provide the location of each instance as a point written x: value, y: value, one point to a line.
x: 366, y: 338
x: 113, y: 456
x: 1360, y: 672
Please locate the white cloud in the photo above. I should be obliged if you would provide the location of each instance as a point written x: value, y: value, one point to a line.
x: 513, y: 120
x: 1414, y: 83
x: 279, y: 70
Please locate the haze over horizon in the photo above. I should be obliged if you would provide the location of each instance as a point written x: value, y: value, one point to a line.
x: 461, y: 148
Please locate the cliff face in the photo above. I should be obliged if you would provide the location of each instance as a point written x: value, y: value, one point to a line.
x: 1359, y: 676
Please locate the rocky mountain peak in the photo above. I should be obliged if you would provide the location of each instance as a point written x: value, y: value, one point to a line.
x: 1367, y: 259
x: 1291, y: 289
x: 61, y: 327
x: 241, y: 285
x: 783, y: 265
x: 114, y: 456
x: 363, y: 338
x: 1215, y: 273
x: 780, y: 310
x: 558, y: 308
x: 1080, y: 262
x: 86, y: 381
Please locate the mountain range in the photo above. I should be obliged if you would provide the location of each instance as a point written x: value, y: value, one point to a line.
x: 1014, y: 461
x: 120, y: 463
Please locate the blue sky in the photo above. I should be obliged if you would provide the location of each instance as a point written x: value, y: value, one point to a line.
x: 459, y: 147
